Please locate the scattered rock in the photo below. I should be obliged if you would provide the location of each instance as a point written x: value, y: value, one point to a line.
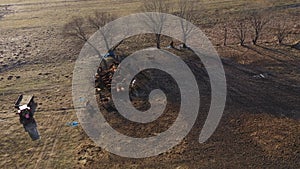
x: 45, y: 74
x: 261, y: 76
x: 9, y: 77
x: 82, y: 161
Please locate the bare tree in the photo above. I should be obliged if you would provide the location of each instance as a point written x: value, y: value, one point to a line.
x: 281, y: 30
x: 258, y: 21
x: 97, y: 21
x: 186, y: 9
x: 75, y: 28
x: 156, y: 24
x: 240, y: 31
x: 80, y: 29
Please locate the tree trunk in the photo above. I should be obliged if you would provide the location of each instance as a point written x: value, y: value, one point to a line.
x: 255, y: 38
x: 158, y: 36
x: 280, y: 41
x: 172, y: 44
x: 225, y: 37
x: 254, y: 41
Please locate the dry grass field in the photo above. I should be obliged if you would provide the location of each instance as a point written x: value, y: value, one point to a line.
x: 260, y: 127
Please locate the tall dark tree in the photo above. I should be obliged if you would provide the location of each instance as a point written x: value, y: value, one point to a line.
x: 258, y: 22
x: 281, y: 31
x: 185, y: 9
x: 240, y: 30
x: 80, y: 29
x: 160, y: 6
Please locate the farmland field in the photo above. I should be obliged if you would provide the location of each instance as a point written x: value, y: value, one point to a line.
x: 260, y: 127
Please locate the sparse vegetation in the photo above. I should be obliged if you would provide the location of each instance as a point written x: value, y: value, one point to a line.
x: 76, y: 28
x: 81, y: 29
x: 259, y: 128
x: 160, y: 6
x: 241, y: 30
x: 186, y: 9
x: 258, y: 21
x: 99, y: 19
x: 281, y: 31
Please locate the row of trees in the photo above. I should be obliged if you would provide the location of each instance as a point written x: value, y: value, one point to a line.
x: 254, y: 23
x: 80, y: 28
x: 182, y: 8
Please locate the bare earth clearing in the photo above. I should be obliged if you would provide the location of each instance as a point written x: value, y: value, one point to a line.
x: 260, y: 127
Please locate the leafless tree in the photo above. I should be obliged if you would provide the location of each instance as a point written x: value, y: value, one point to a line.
x: 80, y: 29
x: 281, y: 31
x: 75, y: 28
x: 258, y: 22
x: 240, y: 30
x: 186, y: 9
x: 99, y: 19
x: 156, y: 21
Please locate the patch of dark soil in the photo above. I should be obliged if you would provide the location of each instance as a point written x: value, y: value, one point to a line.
x: 255, y: 110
